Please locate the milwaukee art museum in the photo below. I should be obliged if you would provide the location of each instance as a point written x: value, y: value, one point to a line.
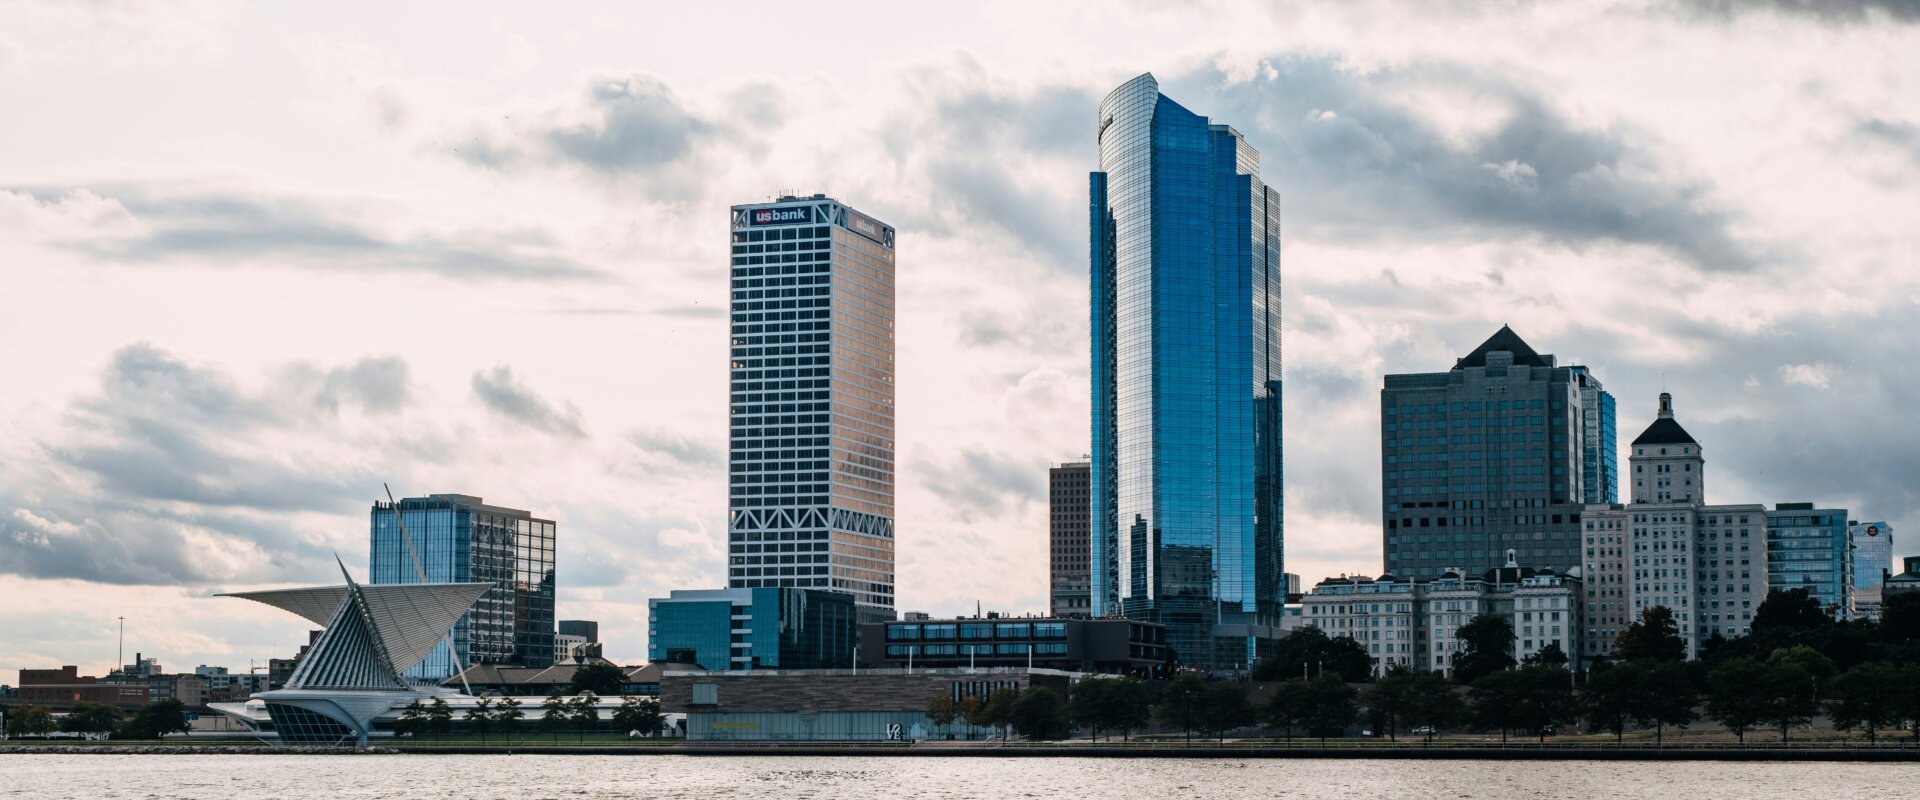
x: 354, y: 672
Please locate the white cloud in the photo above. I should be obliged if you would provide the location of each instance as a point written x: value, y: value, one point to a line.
x: 1817, y: 376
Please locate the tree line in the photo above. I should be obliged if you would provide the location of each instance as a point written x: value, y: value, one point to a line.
x: 1798, y: 663
x: 151, y: 721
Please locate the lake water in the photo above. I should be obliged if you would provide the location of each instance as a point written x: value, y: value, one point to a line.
x: 543, y: 777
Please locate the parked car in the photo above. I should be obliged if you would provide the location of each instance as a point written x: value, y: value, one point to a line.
x: 1425, y: 730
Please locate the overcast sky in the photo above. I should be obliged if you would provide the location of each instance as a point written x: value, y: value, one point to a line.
x: 256, y: 259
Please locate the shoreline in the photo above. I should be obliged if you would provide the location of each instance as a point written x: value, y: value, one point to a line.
x: 1509, y: 752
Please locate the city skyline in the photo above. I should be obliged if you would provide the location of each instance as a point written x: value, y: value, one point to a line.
x: 327, y: 257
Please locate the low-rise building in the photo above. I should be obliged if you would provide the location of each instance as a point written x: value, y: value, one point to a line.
x: 511, y: 681
x: 1117, y: 646
x: 763, y: 628
x: 1413, y: 624
x: 837, y: 705
x: 1908, y: 581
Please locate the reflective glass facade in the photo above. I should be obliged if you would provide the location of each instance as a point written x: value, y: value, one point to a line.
x: 1185, y: 481
x: 764, y: 628
x: 811, y: 417
x: 459, y: 539
x: 1809, y: 548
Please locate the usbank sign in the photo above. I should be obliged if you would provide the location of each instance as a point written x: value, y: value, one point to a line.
x: 796, y: 215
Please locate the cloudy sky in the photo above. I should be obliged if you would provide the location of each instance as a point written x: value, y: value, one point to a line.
x: 257, y: 259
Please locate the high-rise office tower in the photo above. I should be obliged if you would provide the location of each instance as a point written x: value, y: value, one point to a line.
x: 1186, y: 466
x: 810, y: 453
x: 1067, y: 546
x: 456, y: 538
x: 1486, y: 457
x: 1872, y: 562
x: 1600, y: 450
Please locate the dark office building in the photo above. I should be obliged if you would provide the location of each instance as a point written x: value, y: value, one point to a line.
x: 457, y: 538
x: 764, y: 628
x: 811, y: 431
x: 1117, y: 646
x: 1069, y: 552
x: 1487, y: 457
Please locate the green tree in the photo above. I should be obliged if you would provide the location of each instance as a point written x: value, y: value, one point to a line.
x: 599, y: 677
x: 999, y: 712
x: 30, y: 721
x: 1432, y: 703
x: 1549, y: 656
x: 584, y: 712
x: 439, y: 718
x: 1528, y: 699
x: 1131, y: 706
x: 641, y: 714
x: 1308, y: 651
x: 1789, y: 691
x: 1793, y: 610
x: 1331, y: 706
x: 413, y: 720
x: 1906, y: 698
x: 1667, y: 698
x: 1039, y: 714
x: 974, y: 711
x: 1655, y: 636
x: 507, y: 717
x: 1486, y: 647
x: 91, y: 718
x: 1734, y: 695
x: 1088, y: 704
x: 1224, y: 707
x: 1900, y: 618
x: 156, y: 719
x: 1865, y: 697
x: 555, y: 716
x: 1180, y: 704
x: 1611, y: 697
x: 1287, y: 708
x: 941, y: 711
x: 479, y: 718
x: 1387, y: 697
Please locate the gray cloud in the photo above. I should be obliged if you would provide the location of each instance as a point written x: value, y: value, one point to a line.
x: 154, y: 479
x: 980, y: 484
x: 677, y: 447
x: 505, y: 395
x: 376, y: 384
x: 1354, y: 165
x: 641, y: 126
x: 226, y: 229
x: 1901, y: 135
x: 1829, y: 11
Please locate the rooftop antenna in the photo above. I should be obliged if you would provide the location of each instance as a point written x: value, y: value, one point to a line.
x: 420, y: 572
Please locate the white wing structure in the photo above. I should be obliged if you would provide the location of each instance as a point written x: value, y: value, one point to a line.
x: 317, y: 604
x: 355, y: 670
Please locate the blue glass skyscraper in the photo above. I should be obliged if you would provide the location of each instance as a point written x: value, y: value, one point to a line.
x: 1186, y: 472
x: 458, y: 538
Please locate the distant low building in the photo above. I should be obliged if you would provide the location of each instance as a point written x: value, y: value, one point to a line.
x: 836, y: 705
x: 1907, y: 582
x: 1118, y: 646
x: 1412, y: 623
x: 763, y: 628
x: 481, y: 679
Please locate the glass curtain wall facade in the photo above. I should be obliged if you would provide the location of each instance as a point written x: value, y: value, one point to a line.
x: 1808, y: 548
x: 1600, y: 446
x: 811, y: 429
x: 457, y: 539
x: 1185, y: 481
x: 765, y: 628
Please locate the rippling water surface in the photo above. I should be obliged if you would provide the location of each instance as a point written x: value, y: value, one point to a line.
x: 535, y: 777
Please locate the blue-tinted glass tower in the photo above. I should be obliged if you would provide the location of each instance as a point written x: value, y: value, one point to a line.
x: 1186, y: 468
x: 457, y: 538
